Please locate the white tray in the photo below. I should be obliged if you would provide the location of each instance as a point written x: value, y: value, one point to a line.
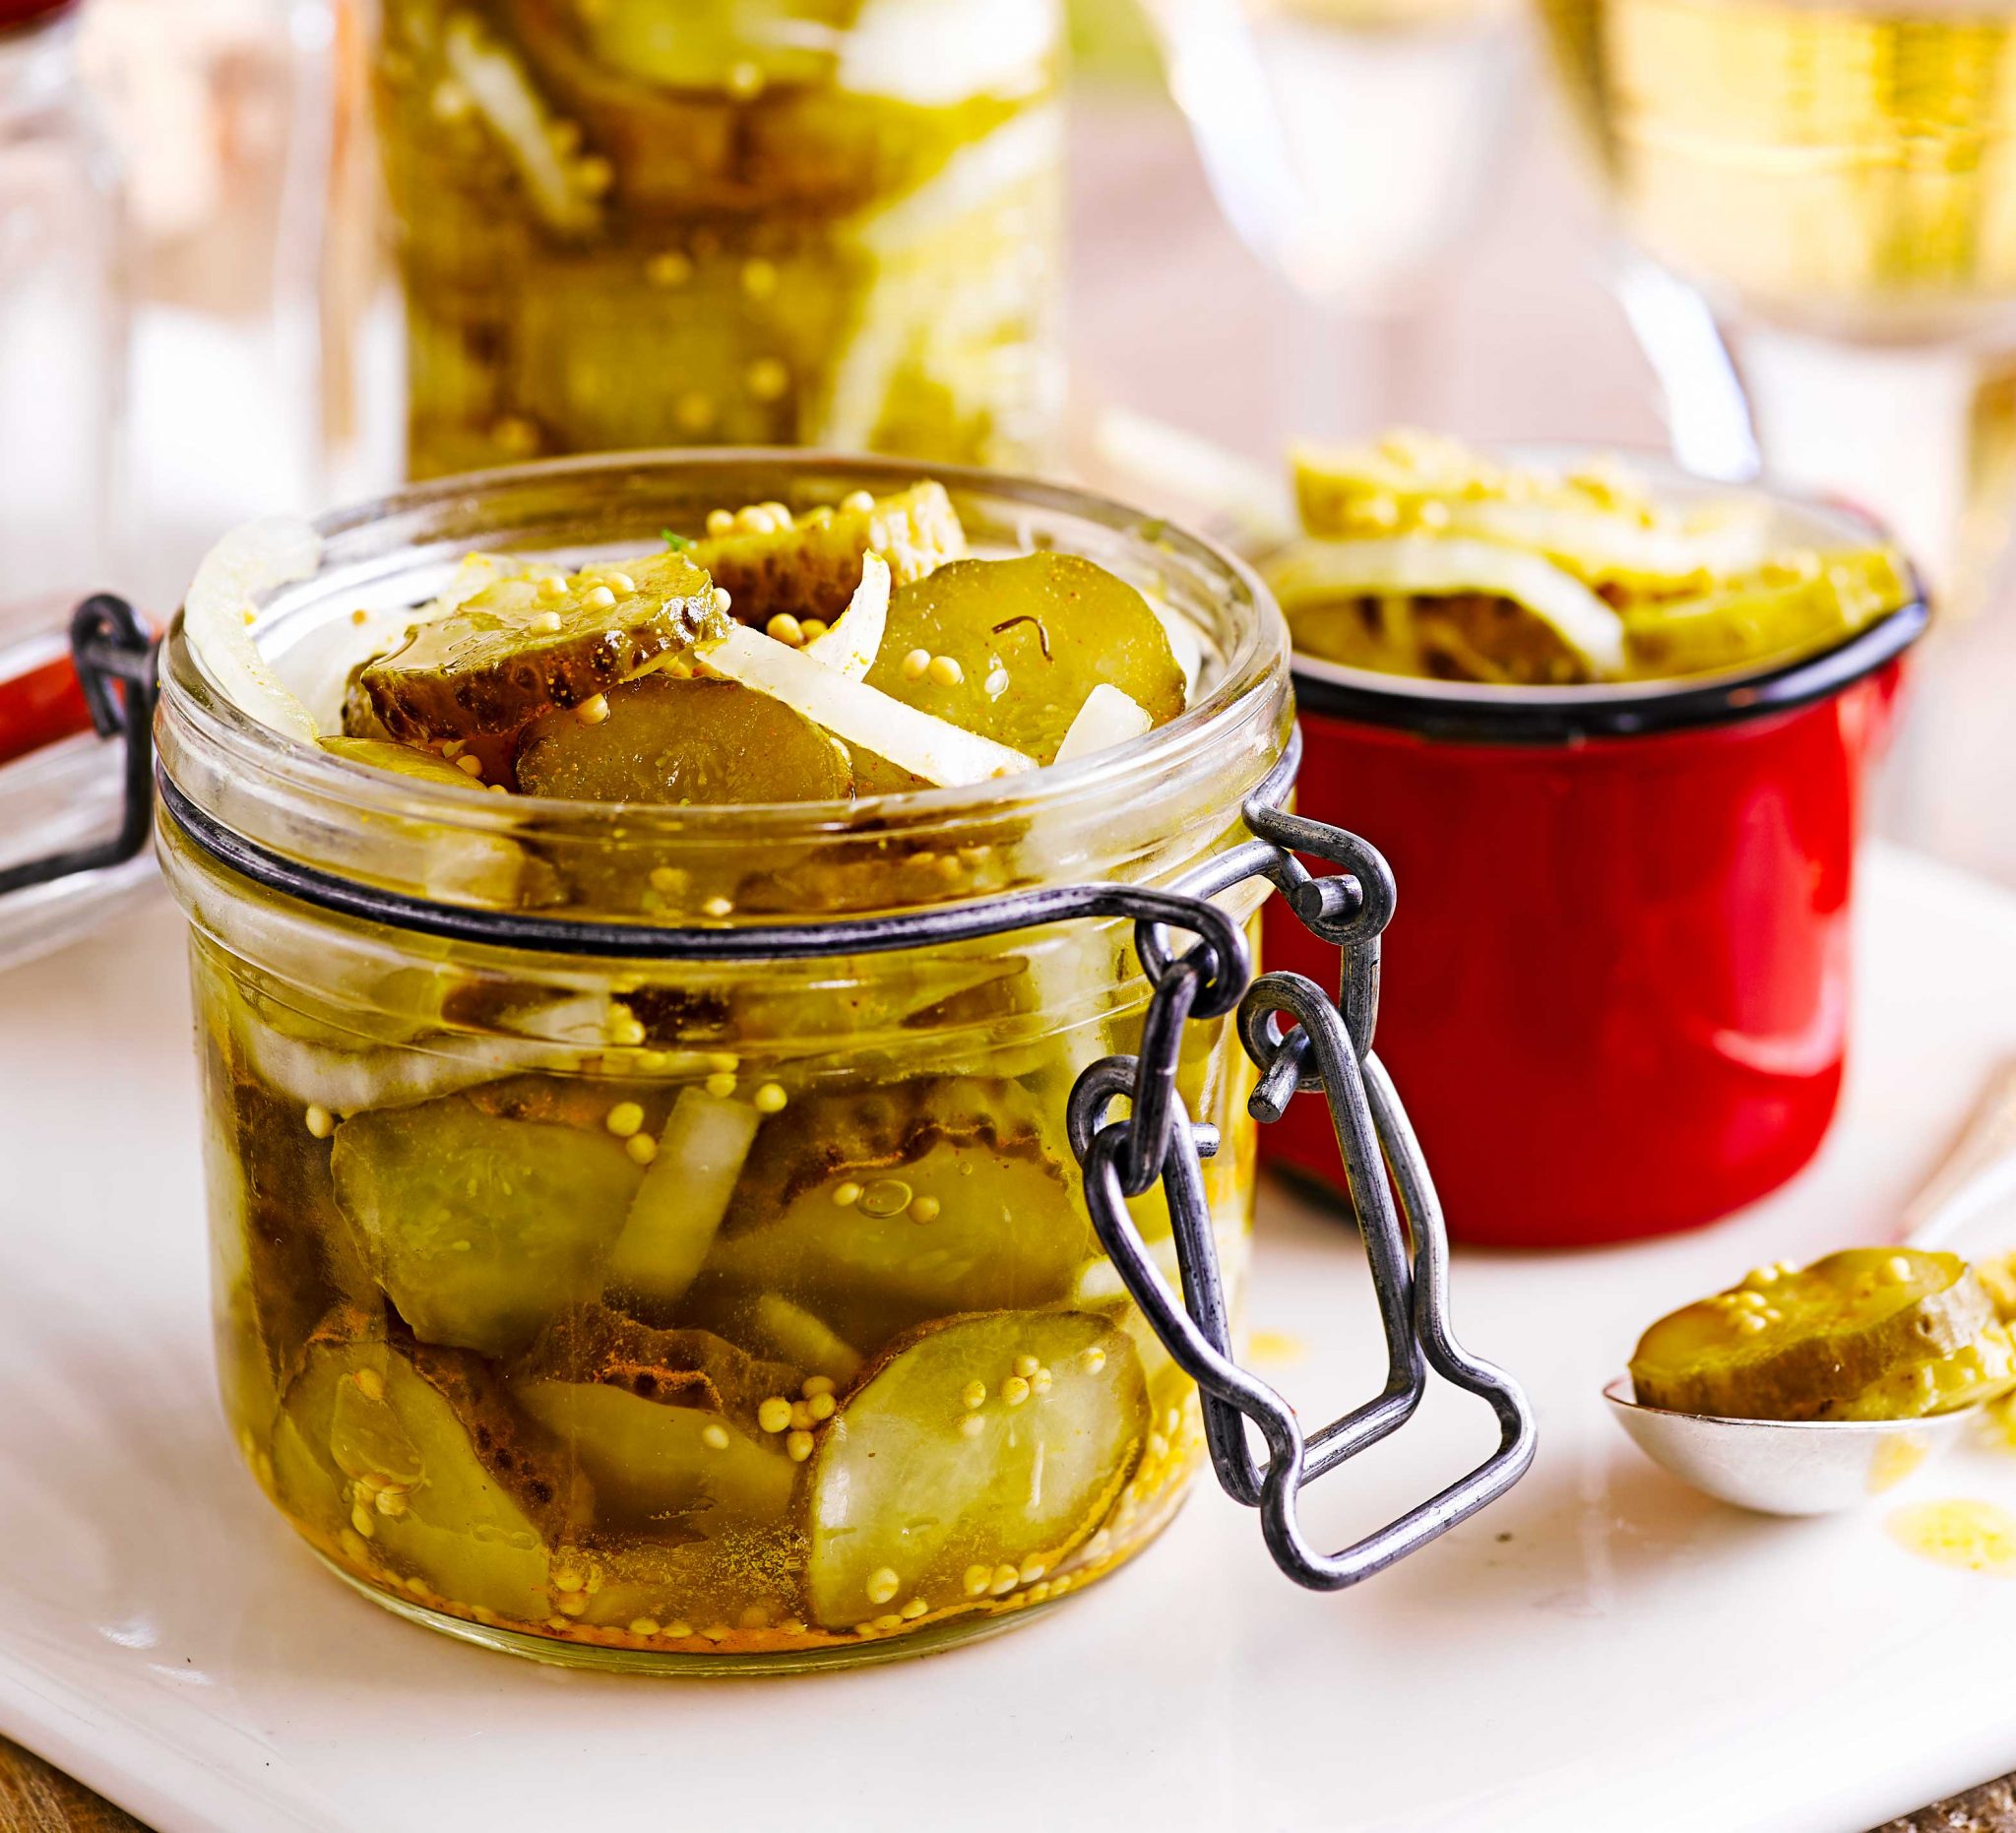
x: 1603, y: 1651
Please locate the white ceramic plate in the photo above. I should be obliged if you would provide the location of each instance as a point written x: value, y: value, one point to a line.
x: 1605, y: 1650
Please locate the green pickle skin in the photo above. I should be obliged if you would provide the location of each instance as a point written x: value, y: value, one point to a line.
x: 775, y: 1391
x: 626, y: 223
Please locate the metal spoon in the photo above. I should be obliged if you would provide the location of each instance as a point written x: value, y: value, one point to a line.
x: 1815, y: 1467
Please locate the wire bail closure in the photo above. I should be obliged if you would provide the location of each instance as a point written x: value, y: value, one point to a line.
x: 1328, y: 1050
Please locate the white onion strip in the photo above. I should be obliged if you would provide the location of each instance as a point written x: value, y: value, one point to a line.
x: 931, y: 749
x: 1424, y: 565
x: 856, y: 637
x: 1107, y: 718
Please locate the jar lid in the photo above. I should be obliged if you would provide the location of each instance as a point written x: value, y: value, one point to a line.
x: 15, y: 13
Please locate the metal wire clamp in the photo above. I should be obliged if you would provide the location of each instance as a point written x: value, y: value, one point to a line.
x: 1328, y: 1050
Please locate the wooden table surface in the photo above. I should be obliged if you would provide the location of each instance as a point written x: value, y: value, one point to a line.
x: 1527, y: 282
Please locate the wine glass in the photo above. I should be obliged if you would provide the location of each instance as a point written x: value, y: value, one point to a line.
x: 1350, y: 144
x: 1819, y: 203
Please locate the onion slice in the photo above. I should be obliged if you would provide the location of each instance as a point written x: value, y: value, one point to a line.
x: 1107, y: 718
x: 678, y: 1207
x: 1426, y: 566
x: 931, y: 749
x: 856, y: 637
x: 249, y: 560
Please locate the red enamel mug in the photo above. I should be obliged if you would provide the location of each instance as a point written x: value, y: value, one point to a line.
x: 1616, y: 995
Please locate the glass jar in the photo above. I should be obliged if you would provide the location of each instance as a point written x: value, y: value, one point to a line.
x: 438, y: 1353
x: 654, y: 1237
x: 62, y: 320
x: 628, y: 223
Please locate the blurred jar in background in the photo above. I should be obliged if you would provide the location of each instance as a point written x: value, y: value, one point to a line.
x: 222, y: 112
x: 646, y: 222
x: 62, y: 320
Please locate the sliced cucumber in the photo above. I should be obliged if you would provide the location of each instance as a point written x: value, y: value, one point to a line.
x: 1975, y: 1371
x: 911, y: 1500
x: 286, y: 1254
x: 412, y: 1460
x: 504, y: 657
x: 812, y: 566
x: 1789, y: 1345
x: 483, y: 1227
x: 1774, y: 611
x: 681, y: 741
x: 880, y: 1211
x: 657, y: 1465
x: 1031, y: 637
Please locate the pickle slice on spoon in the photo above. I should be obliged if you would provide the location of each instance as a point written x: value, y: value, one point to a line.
x: 1787, y: 1345
x: 1814, y: 1466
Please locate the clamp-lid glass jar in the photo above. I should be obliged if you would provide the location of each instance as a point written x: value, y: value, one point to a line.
x: 838, y: 1366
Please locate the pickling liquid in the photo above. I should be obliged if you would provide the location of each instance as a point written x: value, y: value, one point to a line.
x: 1973, y: 1535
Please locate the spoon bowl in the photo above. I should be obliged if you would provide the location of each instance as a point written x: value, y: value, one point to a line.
x: 1787, y: 1467
x: 1819, y: 1467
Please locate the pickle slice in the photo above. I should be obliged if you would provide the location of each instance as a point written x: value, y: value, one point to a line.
x: 666, y: 1422
x: 285, y: 1252
x: 1789, y: 1344
x: 501, y: 659
x: 411, y: 1460
x: 1032, y: 638
x: 480, y: 1225
x: 450, y: 863
x: 878, y: 1211
x: 1975, y: 1371
x: 670, y: 1367
x: 653, y: 1464
x: 717, y: 44
x: 1797, y: 604
x: 810, y: 566
x: 1598, y: 524
x: 911, y: 1500
x: 678, y: 741
x: 792, y: 147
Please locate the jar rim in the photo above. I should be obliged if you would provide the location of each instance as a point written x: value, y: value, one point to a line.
x: 378, y: 542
